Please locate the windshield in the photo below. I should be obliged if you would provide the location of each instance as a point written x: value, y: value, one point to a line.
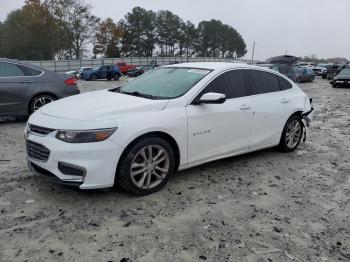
x: 165, y: 83
x: 345, y: 71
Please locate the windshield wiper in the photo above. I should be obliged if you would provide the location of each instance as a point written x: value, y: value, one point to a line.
x: 136, y: 93
x: 115, y: 89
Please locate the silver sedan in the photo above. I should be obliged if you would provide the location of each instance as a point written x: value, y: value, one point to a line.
x: 24, y: 88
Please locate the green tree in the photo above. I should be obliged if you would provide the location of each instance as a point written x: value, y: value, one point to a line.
x: 219, y: 40
x: 80, y: 25
x: 191, y: 36
x: 139, y: 32
x: 168, y: 30
x: 31, y: 33
x: 108, y: 38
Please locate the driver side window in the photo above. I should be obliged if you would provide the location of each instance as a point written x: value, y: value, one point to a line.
x: 231, y: 84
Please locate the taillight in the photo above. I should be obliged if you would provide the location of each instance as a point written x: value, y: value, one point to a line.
x: 71, y: 81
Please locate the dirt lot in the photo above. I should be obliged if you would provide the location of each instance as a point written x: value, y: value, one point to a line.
x: 264, y: 206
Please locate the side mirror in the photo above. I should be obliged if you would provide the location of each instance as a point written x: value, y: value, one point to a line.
x: 211, y: 98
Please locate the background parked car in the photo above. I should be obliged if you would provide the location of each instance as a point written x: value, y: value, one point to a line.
x: 335, y: 69
x: 103, y: 72
x: 318, y: 69
x: 305, y: 64
x: 25, y: 88
x: 124, y: 67
x: 342, y: 79
x: 304, y: 74
x: 284, y: 69
x: 82, y: 70
x: 73, y: 73
x: 139, y: 70
x: 154, y: 63
x: 324, y: 71
x: 135, y: 72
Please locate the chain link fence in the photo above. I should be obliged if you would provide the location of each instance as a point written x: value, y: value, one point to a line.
x: 62, y: 66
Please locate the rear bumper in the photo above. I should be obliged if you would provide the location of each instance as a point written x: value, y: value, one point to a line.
x: 70, y: 91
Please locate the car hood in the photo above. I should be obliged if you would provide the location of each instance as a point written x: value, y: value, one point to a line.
x: 101, y: 105
x: 342, y: 77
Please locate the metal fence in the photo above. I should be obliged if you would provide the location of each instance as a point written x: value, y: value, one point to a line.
x: 62, y: 66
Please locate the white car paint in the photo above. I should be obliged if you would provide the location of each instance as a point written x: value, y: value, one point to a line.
x: 202, y: 132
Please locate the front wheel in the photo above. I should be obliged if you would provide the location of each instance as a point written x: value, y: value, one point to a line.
x: 40, y: 101
x: 292, y: 134
x: 146, y: 167
x: 93, y: 78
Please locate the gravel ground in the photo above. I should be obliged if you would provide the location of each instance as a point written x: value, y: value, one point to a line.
x: 263, y: 206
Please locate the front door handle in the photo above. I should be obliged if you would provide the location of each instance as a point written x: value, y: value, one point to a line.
x: 245, y: 107
x: 284, y: 100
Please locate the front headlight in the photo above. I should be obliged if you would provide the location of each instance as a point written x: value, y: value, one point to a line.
x: 84, y: 136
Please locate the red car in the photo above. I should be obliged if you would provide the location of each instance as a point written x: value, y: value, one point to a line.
x: 124, y: 67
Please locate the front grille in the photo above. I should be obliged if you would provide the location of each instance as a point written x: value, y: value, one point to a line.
x: 40, y: 130
x: 37, y: 151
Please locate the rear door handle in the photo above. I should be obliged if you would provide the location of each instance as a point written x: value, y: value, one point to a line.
x: 284, y: 100
x: 245, y: 107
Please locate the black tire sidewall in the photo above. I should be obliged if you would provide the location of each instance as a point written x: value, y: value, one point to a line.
x: 123, y: 177
x: 283, y: 143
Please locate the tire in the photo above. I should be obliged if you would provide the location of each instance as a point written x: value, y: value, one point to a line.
x: 116, y: 77
x: 285, y: 144
x: 40, y: 101
x: 150, y: 175
x: 323, y: 77
x: 93, y: 78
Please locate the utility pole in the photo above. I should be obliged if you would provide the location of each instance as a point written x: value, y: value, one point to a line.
x: 253, y: 51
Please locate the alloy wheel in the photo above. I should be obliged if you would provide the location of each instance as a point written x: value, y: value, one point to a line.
x: 149, y: 167
x: 41, y: 101
x: 293, y: 134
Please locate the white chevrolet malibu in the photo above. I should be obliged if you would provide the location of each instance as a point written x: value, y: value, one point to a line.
x: 169, y: 119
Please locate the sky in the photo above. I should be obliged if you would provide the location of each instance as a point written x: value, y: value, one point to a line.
x: 295, y: 27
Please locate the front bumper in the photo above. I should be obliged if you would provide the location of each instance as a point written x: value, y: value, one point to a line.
x: 96, y: 161
x: 341, y: 83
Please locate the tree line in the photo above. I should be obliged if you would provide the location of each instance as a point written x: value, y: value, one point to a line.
x: 67, y: 29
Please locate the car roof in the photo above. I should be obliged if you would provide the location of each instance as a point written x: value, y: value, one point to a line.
x: 15, y: 61
x: 214, y: 65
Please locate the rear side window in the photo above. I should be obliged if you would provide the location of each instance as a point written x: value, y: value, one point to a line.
x: 231, y: 83
x: 284, y: 84
x: 10, y: 70
x: 28, y: 71
x: 260, y: 82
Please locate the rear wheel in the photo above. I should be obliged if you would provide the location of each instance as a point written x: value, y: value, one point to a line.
x: 116, y: 77
x: 292, y: 134
x: 146, y: 167
x: 40, y: 101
